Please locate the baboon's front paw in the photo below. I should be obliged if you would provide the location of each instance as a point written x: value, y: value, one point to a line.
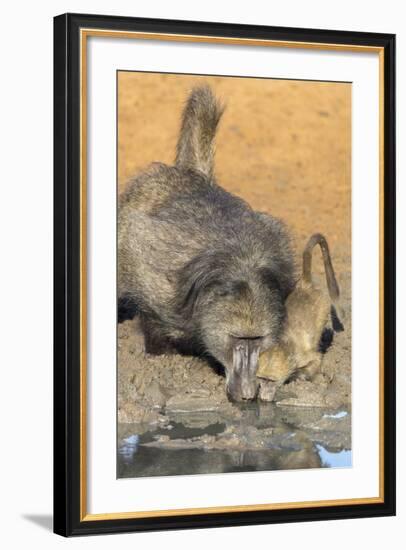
x: 267, y: 390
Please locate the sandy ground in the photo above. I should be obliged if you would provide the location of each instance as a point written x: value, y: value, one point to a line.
x: 285, y: 147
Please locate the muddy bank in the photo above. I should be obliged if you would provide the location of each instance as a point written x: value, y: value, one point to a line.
x: 152, y: 387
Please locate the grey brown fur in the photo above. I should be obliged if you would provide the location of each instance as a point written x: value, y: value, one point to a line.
x: 308, y: 312
x: 201, y: 116
x: 207, y: 273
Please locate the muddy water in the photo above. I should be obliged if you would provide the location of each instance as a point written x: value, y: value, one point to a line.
x: 265, y: 437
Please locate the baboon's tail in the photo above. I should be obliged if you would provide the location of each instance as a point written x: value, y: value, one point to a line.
x: 332, y: 284
x: 200, y: 118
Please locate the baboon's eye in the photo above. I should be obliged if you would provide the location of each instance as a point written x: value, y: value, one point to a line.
x: 231, y: 288
x: 221, y: 290
x: 269, y: 279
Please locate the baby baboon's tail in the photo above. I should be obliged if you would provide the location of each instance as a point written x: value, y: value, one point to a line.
x: 332, y: 284
x: 201, y: 116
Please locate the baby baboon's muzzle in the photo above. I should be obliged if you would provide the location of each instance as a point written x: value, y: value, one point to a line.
x: 241, y: 381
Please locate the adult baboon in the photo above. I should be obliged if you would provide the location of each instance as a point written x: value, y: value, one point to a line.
x: 205, y: 272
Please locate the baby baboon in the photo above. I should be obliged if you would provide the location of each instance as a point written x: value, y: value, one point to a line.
x: 205, y: 272
x: 307, y: 313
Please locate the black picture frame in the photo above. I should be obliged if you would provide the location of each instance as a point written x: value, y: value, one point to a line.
x: 67, y: 354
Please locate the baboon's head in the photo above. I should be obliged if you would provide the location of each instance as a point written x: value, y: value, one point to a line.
x: 238, y: 312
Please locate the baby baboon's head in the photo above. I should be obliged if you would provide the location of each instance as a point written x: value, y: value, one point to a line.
x: 237, y: 312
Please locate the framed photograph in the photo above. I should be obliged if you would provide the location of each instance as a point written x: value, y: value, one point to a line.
x: 224, y: 274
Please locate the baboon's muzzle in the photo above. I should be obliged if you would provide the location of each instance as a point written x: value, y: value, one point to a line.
x: 242, y: 384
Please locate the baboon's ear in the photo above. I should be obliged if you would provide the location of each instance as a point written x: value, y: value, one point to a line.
x: 197, y: 276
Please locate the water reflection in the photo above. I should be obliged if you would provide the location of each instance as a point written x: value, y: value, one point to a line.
x: 261, y: 439
x: 128, y: 447
x: 339, y: 459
